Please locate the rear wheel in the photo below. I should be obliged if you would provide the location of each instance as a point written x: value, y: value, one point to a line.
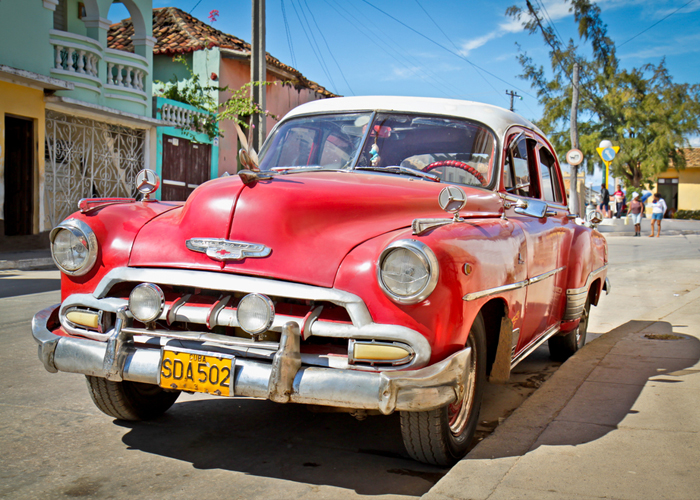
x: 443, y: 436
x: 130, y: 400
x: 563, y: 347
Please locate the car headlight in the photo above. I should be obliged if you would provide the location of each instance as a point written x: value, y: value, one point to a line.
x: 256, y: 313
x: 407, y: 271
x: 146, y: 302
x: 73, y: 247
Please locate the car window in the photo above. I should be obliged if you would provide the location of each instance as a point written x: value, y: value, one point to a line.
x: 551, y: 190
x: 453, y: 149
x: 456, y: 150
x: 329, y: 141
x: 517, y: 169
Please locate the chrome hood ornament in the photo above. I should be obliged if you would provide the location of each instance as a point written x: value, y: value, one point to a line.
x: 224, y: 250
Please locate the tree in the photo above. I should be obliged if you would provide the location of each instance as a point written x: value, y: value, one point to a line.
x: 642, y: 110
x: 238, y: 107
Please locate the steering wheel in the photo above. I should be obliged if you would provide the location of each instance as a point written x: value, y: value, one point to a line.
x: 458, y: 164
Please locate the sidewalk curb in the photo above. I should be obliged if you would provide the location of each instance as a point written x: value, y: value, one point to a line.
x: 478, y: 474
x: 522, y: 429
x: 25, y: 264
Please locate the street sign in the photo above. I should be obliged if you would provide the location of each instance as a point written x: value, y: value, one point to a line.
x: 574, y: 157
x: 608, y: 155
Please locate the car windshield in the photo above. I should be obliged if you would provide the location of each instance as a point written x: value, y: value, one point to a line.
x: 449, y: 149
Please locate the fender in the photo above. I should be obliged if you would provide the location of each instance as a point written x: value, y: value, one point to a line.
x: 115, y: 227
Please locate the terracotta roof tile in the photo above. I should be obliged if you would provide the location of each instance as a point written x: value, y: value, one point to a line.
x: 692, y: 157
x: 177, y: 32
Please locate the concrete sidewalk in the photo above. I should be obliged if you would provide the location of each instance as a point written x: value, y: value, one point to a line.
x: 28, y: 259
x: 620, y: 420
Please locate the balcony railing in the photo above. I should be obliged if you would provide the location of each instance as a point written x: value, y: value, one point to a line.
x: 113, y: 73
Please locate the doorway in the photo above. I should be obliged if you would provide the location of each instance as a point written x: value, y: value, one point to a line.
x: 19, y: 176
x: 186, y: 165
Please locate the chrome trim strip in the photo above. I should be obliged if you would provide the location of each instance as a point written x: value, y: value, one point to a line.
x: 359, y: 314
x: 544, y: 276
x: 512, y: 286
x: 534, y: 345
x: 494, y: 291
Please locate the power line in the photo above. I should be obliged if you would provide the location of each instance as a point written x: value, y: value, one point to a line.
x: 289, y: 34
x: 554, y: 26
x: 386, y: 45
x: 319, y: 57
x: 195, y: 6
x: 313, y: 18
x: 450, y: 51
x: 437, y: 25
x: 657, y: 22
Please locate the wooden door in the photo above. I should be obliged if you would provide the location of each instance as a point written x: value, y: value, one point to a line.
x: 19, y: 176
x: 186, y: 165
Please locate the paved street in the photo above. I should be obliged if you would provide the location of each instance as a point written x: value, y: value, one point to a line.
x: 56, y: 443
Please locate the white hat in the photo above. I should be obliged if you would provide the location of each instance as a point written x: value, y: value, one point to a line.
x: 635, y: 195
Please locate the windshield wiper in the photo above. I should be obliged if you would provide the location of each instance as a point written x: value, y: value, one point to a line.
x: 395, y: 169
x: 302, y: 168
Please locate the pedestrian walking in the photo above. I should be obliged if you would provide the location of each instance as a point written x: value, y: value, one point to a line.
x: 604, y: 201
x: 619, y: 196
x: 634, y: 211
x: 658, y: 209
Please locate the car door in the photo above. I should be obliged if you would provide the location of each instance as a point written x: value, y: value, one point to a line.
x: 527, y: 180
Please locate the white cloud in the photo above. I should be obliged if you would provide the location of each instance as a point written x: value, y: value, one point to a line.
x: 403, y: 73
x: 555, y: 8
x: 694, y: 141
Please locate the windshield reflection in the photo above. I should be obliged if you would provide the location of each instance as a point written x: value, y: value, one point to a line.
x: 453, y: 150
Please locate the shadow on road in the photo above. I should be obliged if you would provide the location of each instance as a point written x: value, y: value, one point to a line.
x: 15, y: 287
x: 286, y: 442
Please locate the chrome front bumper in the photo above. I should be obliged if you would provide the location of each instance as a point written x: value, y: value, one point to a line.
x: 283, y: 380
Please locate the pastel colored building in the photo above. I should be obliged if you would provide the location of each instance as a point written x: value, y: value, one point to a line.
x: 680, y: 188
x: 76, y: 116
x: 220, y: 60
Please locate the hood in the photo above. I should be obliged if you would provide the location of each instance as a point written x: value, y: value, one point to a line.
x: 309, y: 221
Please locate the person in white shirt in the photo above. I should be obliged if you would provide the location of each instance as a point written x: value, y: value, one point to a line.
x: 658, y: 209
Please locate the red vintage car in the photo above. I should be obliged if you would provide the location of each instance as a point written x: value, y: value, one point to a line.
x: 382, y: 254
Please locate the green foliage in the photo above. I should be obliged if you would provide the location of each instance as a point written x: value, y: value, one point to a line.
x: 239, y: 107
x: 641, y: 110
x: 687, y: 214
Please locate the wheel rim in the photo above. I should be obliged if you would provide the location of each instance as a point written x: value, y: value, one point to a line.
x: 458, y: 412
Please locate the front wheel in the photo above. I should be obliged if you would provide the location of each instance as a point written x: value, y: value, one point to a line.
x: 130, y: 400
x: 442, y: 436
x: 563, y: 347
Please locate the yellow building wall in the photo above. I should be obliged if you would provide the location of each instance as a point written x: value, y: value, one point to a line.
x: 689, y: 189
x: 25, y: 102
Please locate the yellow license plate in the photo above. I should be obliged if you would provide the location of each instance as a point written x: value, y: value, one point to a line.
x: 194, y: 371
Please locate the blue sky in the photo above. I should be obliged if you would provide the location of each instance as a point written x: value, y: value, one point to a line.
x: 449, y: 48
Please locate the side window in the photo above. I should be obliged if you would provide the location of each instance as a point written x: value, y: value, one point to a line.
x: 551, y: 190
x: 518, y: 169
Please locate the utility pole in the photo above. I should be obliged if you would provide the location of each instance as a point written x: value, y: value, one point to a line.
x: 573, y: 188
x: 258, y: 72
x: 513, y: 94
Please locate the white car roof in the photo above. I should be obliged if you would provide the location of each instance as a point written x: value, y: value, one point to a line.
x: 498, y: 119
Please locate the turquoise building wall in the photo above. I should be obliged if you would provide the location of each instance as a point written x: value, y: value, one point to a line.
x: 182, y: 134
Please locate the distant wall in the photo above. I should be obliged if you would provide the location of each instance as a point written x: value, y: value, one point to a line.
x: 280, y: 100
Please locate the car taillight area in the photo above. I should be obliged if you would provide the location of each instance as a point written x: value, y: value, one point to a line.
x: 250, y: 323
